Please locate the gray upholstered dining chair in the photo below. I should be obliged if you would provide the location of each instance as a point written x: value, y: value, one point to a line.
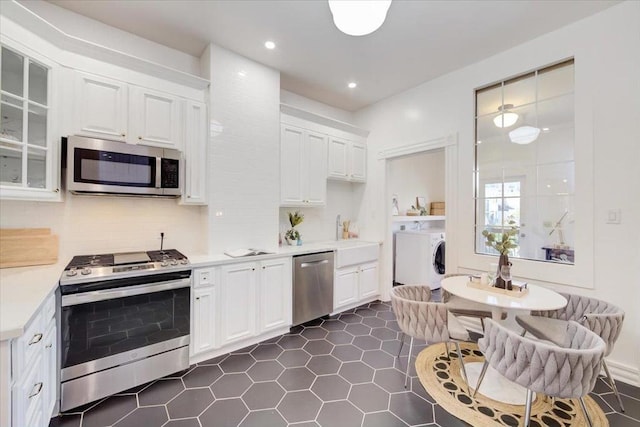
x: 569, y: 371
x: 419, y: 317
x: 465, y: 308
x: 599, y: 316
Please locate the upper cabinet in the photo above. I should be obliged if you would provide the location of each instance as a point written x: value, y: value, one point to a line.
x: 195, y: 154
x: 303, y: 167
x: 28, y: 148
x: 106, y: 108
x: 347, y: 160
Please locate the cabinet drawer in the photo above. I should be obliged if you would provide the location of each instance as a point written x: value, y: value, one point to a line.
x: 27, y: 394
x: 28, y: 345
x: 357, y: 255
x: 204, y: 277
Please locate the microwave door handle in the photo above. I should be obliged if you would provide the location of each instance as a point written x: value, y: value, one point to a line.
x: 158, y: 172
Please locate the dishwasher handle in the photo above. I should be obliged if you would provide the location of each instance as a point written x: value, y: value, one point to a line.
x: 312, y: 263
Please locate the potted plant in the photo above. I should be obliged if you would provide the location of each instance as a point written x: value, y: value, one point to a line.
x: 503, y: 245
x: 292, y: 236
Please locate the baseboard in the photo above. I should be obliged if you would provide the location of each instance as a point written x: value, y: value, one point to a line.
x: 619, y: 371
x: 625, y: 373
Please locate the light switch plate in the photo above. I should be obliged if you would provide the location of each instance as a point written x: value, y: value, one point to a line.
x: 614, y: 216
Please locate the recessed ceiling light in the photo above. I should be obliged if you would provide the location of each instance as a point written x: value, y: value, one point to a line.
x: 352, y: 85
x: 545, y: 129
x: 479, y: 142
x: 269, y: 44
x: 242, y: 73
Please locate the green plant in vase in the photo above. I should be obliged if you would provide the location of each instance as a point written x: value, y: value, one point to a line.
x: 502, y: 244
x: 292, y: 236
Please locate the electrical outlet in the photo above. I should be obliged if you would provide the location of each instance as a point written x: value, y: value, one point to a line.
x: 614, y: 216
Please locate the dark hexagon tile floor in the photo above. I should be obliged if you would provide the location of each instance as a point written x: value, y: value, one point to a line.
x: 336, y: 372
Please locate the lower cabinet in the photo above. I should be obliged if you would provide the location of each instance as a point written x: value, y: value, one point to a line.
x: 236, y: 302
x: 34, y: 370
x: 354, y: 285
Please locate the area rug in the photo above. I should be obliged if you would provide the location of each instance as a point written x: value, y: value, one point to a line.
x: 442, y: 379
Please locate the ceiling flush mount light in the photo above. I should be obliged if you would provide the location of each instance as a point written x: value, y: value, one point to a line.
x: 359, y: 17
x: 505, y: 119
x: 524, y: 135
x: 352, y: 85
x: 270, y: 45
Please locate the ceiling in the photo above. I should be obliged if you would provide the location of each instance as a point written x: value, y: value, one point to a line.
x: 420, y: 40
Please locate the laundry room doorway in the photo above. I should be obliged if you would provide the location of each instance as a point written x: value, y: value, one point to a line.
x: 416, y: 176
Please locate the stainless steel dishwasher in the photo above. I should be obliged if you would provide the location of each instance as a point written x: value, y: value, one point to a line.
x: 312, y: 286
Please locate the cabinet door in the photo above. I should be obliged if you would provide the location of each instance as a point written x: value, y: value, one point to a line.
x: 156, y: 118
x: 345, y: 287
x: 238, y: 302
x: 338, y: 158
x: 195, y: 153
x: 100, y: 107
x: 358, y: 162
x: 291, y: 165
x: 368, y: 280
x: 275, y: 293
x: 203, y: 324
x: 315, y: 171
x: 49, y: 367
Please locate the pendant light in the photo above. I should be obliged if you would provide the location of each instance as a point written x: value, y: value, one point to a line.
x: 524, y: 135
x: 359, y: 17
x: 505, y: 118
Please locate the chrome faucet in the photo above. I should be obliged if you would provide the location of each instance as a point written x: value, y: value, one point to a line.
x: 338, y: 224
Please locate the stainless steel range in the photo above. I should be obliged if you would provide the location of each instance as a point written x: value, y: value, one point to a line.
x: 124, y: 320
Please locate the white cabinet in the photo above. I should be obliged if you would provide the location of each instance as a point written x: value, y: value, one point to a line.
x: 195, y: 154
x: 237, y: 302
x: 33, y: 375
x: 347, y: 160
x: 112, y: 109
x: 356, y: 276
x: 100, y: 106
x: 275, y: 293
x: 204, y: 310
x: 155, y: 118
x: 303, y: 166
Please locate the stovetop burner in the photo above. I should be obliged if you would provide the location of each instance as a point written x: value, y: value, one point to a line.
x: 84, y: 268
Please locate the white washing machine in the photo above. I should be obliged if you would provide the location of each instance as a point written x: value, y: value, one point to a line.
x: 420, y: 257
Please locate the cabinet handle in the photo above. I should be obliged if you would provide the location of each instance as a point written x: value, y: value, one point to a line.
x: 57, y: 190
x: 36, y: 339
x: 188, y: 197
x: 263, y: 267
x: 253, y: 269
x: 123, y: 135
x: 48, y: 346
x: 197, y: 298
x: 35, y: 393
x: 140, y: 138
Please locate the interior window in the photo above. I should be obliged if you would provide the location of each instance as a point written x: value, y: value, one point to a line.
x: 524, y: 163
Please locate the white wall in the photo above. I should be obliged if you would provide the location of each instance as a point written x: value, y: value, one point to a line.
x: 94, y: 224
x: 95, y: 31
x: 244, y: 186
x: 416, y: 175
x: 606, y: 48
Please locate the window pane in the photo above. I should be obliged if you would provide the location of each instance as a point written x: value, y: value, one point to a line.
x: 11, y: 116
x: 489, y: 100
x: 37, y: 83
x: 556, y: 179
x: 36, y: 168
x: 10, y: 164
x: 520, y: 91
x: 12, y: 72
x: 37, y: 125
x: 555, y: 81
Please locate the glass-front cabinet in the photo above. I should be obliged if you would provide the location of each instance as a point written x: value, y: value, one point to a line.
x: 27, y: 151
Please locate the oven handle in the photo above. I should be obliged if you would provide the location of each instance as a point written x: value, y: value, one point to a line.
x: 94, y: 296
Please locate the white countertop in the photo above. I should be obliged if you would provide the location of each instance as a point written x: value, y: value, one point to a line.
x: 23, y: 290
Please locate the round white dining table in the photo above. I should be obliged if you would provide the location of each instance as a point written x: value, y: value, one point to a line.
x: 495, y: 386
x: 538, y: 298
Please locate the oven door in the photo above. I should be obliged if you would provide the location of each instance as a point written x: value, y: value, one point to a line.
x: 109, y: 327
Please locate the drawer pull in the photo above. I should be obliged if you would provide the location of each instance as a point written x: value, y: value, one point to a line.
x: 36, y: 339
x: 35, y: 393
x: 48, y: 346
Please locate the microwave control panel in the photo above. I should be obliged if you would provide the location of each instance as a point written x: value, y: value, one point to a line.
x: 170, y: 173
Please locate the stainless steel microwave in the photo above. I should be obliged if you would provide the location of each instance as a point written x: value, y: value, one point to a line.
x: 96, y: 166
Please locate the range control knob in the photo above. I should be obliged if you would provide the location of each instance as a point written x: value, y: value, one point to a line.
x: 86, y: 271
x: 183, y: 261
x: 174, y: 262
x: 72, y: 272
x: 164, y: 263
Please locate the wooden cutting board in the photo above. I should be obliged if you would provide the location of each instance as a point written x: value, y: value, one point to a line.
x: 21, y: 247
